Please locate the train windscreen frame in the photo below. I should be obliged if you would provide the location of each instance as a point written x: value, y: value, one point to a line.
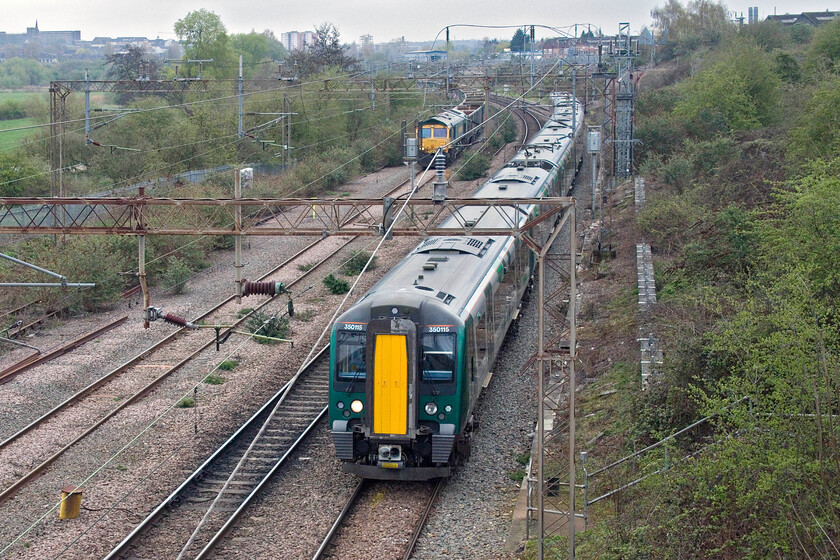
x: 350, y: 363
x: 438, y: 363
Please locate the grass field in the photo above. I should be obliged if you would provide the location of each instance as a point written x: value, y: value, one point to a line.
x: 11, y: 139
x: 19, y: 96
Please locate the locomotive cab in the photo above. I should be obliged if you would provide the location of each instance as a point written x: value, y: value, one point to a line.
x: 394, y: 411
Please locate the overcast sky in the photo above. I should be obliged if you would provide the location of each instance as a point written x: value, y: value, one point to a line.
x: 384, y: 19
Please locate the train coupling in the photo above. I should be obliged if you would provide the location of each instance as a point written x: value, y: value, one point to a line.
x: 390, y: 457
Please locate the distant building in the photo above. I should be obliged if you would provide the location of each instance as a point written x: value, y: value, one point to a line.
x: 297, y: 40
x: 814, y: 19
x: 425, y: 56
x: 366, y: 41
x: 33, y: 34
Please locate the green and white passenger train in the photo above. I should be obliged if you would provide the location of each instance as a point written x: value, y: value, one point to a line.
x: 410, y: 358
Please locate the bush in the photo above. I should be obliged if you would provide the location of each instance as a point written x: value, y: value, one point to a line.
x: 186, y: 402
x: 475, y: 167
x: 336, y: 286
x: 357, y: 262
x: 228, y: 365
x: 268, y: 325
x: 214, y: 379
x: 176, y: 275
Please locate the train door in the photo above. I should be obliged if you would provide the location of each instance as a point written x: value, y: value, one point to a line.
x: 391, y: 389
x: 390, y: 385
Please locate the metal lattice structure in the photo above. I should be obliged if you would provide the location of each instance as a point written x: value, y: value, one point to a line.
x: 624, y: 101
x: 261, y: 217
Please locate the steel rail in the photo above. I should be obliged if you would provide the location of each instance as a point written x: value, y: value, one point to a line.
x: 327, y: 542
x: 32, y: 361
x: 9, y: 491
x: 423, y: 518
x: 156, y: 513
x: 18, y: 309
x: 208, y: 548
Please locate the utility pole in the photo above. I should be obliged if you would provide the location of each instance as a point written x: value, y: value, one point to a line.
x: 241, y: 134
x: 532, y: 57
x: 448, y: 67
x: 87, y: 108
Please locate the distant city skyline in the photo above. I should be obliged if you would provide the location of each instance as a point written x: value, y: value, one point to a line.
x: 383, y: 19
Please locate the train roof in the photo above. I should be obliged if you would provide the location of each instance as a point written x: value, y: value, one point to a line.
x: 447, y: 270
x: 438, y: 268
x: 548, y: 147
x: 450, y: 117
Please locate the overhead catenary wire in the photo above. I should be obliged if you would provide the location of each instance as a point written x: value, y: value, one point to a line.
x: 397, y: 216
x: 136, y: 438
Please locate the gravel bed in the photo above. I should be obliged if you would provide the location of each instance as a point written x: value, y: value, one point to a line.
x: 392, y: 510
x: 122, y: 492
x: 139, y: 472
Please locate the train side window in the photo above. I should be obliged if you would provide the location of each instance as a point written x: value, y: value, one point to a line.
x: 350, y: 357
x: 425, y: 132
x: 481, y: 337
x: 440, y: 133
x: 470, y: 349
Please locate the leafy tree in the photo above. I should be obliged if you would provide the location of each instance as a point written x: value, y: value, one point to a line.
x: 816, y: 133
x: 824, y: 53
x: 326, y: 52
x: 517, y: 43
x: 740, y: 91
x: 255, y: 48
x: 787, y: 67
x: 20, y: 176
x: 768, y: 35
x: 204, y: 37
x: 20, y: 72
x: 130, y: 62
x: 702, y: 23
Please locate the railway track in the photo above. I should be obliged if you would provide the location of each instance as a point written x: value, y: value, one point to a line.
x: 192, y: 520
x: 134, y: 370
x: 38, y: 359
x: 338, y: 545
x: 146, y: 378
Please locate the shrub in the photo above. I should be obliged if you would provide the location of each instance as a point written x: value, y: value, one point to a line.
x: 214, y: 379
x: 186, y: 402
x: 176, y: 275
x: 268, y: 325
x: 357, y: 262
x: 476, y: 166
x: 335, y: 285
x: 228, y: 365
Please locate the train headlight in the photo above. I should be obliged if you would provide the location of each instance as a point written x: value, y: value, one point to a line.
x: 430, y: 408
x: 357, y: 406
x: 447, y: 408
x: 340, y: 405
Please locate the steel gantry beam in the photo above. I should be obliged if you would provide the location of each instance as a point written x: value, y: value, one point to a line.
x: 264, y: 217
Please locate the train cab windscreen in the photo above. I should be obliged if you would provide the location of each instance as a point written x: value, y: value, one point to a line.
x: 426, y: 132
x: 438, y: 357
x: 350, y: 357
x: 440, y: 133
